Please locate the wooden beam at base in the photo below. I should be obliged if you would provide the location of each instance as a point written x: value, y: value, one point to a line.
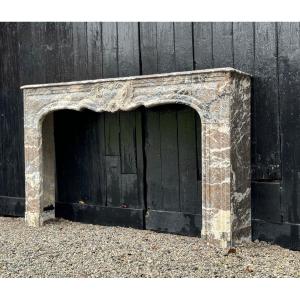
x: 100, y: 215
x: 283, y: 234
x: 174, y: 222
x: 12, y: 206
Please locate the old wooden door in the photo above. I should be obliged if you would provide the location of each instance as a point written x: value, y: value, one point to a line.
x: 138, y: 169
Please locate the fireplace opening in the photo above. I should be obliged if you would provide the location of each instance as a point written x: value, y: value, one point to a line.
x: 139, y: 168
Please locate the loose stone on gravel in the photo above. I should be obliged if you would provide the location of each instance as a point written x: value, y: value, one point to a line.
x: 67, y: 249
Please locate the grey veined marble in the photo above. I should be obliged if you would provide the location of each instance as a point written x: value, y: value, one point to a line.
x: 220, y: 96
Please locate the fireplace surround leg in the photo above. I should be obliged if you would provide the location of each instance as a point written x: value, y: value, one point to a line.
x: 216, y: 164
x: 226, y: 208
x: 40, y: 164
x: 34, y: 177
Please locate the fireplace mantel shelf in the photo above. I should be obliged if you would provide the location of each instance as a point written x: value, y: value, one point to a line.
x: 221, y: 97
x: 204, y: 71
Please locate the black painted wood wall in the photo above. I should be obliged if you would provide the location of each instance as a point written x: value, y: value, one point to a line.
x: 52, y: 52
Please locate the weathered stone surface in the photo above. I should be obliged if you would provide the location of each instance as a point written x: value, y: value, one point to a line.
x: 220, y: 96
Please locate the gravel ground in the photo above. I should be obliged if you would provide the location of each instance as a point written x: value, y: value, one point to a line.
x: 65, y: 249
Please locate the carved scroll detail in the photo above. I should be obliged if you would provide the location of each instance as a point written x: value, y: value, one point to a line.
x: 113, y: 97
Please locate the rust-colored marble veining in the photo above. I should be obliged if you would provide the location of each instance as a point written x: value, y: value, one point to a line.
x: 220, y: 96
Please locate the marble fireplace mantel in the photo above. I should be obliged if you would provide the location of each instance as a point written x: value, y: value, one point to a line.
x: 220, y: 96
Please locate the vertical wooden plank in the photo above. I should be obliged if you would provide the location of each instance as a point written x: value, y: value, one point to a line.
x: 112, y: 133
x: 52, y: 53
x: 110, y: 49
x: 81, y: 161
x: 165, y: 47
x: 289, y: 91
x: 140, y: 155
x: 128, y: 142
x: 2, y: 162
x: 113, y: 161
x: 169, y: 159
x: 128, y: 48
x: 183, y: 34
x: 67, y: 153
x: 128, y: 149
x: 153, y: 159
x: 265, y: 101
x: 89, y: 159
x: 129, y: 191
x: 65, y: 58
x: 79, y: 30
x: 25, y: 51
x: 203, y: 45
x: 94, y: 49
x: 100, y: 138
x: 188, y: 185
x: 113, y: 181
x: 222, y: 44
x: 243, y: 46
x: 38, y: 35
x: 148, y: 41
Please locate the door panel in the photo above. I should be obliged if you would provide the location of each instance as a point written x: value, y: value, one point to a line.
x: 169, y: 159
